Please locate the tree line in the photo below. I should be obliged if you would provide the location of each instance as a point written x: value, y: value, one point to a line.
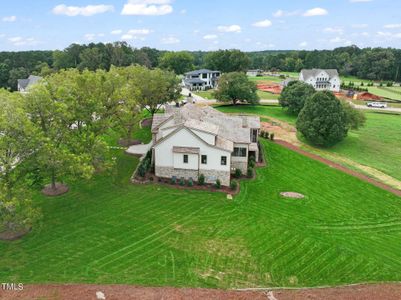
x: 57, y: 132
x: 367, y: 63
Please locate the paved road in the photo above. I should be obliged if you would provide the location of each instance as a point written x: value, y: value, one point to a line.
x: 199, y: 99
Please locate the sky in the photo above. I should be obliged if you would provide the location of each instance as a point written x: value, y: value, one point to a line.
x: 248, y: 25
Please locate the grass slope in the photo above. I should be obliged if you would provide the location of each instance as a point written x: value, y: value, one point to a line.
x: 376, y: 145
x: 109, y: 231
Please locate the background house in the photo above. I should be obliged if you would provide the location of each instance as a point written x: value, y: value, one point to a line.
x: 254, y: 73
x: 201, y: 79
x: 193, y: 140
x: 321, y: 79
x: 24, y: 84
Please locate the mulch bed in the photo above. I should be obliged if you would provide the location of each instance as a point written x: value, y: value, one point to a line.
x: 340, y: 167
x: 128, y: 142
x: 13, y: 235
x: 146, y: 122
x: 59, y: 190
x: 385, y: 291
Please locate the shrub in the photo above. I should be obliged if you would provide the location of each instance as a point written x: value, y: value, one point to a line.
x: 218, y: 184
x: 141, y: 170
x: 182, y: 181
x: 266, y: 135
x: 323, y: 121
x: 272, y: 136
x: 233, y: 185
x: 381, y: 84
x: 201, y: 179
x: 249, y: 172
x: 362, y: 84
x: 190, y: 182
x: 237, y: 173
x: 252, y: 163
x: 173, y: 180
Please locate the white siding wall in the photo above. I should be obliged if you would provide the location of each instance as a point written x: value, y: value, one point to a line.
x: 178, y: 161
x: 207, y: 137
x: 164, y: 156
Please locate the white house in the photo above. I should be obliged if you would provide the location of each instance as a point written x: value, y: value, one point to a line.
x: 24, y: 84
x: 254, y: 73
x: 193, y: 140
x: 327, y: 79
x: 201, y: 79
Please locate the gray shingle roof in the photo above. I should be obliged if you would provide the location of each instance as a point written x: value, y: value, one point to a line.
x: 306, y: 73
x: 25, y: 83
x: 197, y: 72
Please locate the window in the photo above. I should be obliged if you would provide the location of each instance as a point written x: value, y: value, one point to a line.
x: 185, y: 158
x: 204, y: 159
x: 204, y: 75
x: 239, y: 152
x: 223, y: 160
x: 254, y: 135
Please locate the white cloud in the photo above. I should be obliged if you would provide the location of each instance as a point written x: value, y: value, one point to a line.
x: 20, y: 41
x: 264, y: 23
x: 389, y: 35
x: 230, y: 28
x: 90, y: 37
x: 9, y: 19
x: 2, y: 35
x: 359, y: 1
x: 392, y: 26
x: 143, y: 31
x: 317, y: 11
x: 359, y: 25
x: 170, y: 40
x: 183, y: 11
x: 210, y: 37
x: 337, y: 30
x: 147, y: 7
x: 339, y: 40
x: 116, y: 32
x: 282, y: 13
x: 303, y: 44
x: 85, y: 11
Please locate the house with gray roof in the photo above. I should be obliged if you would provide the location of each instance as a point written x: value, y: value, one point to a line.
x: 321, y: 79
x: 25, y: 84
x: 200, y: 80
x: 193, y: 140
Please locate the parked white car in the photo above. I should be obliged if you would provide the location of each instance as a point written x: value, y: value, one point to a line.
x: 377, y: 104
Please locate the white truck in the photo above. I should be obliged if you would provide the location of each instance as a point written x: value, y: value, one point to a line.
x: 377, y: 104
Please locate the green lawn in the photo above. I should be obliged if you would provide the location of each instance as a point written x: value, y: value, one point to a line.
x: 267, y: 96
x: 205, y: 94
x: 109, y: 231
x: 261, y: 110
x: 376, y: 145
x: 387, y: 92
x: 275, y: 79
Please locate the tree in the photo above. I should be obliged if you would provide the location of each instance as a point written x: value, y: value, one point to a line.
x: 294, y: 95
x: 227, y: 61
x: 355, y: 118
x: 15, y: 74
x: 4, y: 75
x: 236, y: 87
x: 323, y: 121
x: 18, y: 141
x: 51, y: 105
x: 179, y: 62
x: 91, y: 58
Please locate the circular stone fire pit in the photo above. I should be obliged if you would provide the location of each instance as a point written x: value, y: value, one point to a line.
x: 292, y: 195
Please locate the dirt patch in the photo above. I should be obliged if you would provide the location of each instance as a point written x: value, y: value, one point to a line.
x: 13, y: 235
x: 128, y: 142
x: 115, y: 291
x: 60, y: 189
x: 271, y: 88
x: 281, y: 130
x: 292, y: 195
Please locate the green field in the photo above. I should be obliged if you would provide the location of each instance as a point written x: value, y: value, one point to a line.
x: 376, y: 145
x: 205, y: 94
x: 267, y: 96
x: 109, y: 231
x: 274, y: 79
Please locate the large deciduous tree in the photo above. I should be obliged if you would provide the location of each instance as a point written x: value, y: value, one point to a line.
x: 179, y: 62
x: 227, y: 61
x: 236, y: 87
x: 294, y: 95
x: 323, y: 121
x: 18, y: 142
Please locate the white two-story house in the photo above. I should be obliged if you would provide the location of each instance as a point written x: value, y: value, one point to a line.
x: 200, y: 80
x: 327, y: 79
x: 192, y: 140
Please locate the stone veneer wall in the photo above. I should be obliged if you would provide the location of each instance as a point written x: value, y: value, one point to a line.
x: 243, y: 166
x: 210, y: 175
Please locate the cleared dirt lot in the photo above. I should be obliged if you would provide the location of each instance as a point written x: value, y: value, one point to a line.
x: 88, y: 291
